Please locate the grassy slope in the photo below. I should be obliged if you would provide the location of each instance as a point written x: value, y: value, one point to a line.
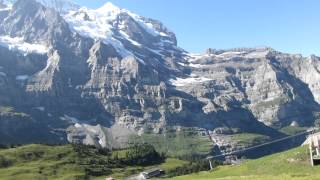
x: 177, y: 144
x: 38, y: 161
x: 291, y: 130
x: 292, y: 164
x: 248, y: 139
x: 57, y: 162
x: 169, y: 164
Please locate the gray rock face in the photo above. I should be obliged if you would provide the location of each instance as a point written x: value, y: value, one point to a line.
x: 86, y: 134
x: 99, y: 136
x: 131, y: 78
x: 61, y: 6
x: 263, y: 81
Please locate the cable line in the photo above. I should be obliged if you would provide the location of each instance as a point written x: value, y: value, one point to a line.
x: 261, y: 145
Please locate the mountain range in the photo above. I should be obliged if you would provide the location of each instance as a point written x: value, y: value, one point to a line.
x: 102, y: 76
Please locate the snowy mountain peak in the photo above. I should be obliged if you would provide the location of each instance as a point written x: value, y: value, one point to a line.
x: 109, y: 7
x: 113, y: 25
x: 125, y: 31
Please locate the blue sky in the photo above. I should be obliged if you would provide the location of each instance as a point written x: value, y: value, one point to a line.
x: 286, y: 25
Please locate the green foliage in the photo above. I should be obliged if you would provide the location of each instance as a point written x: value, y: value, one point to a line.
x: 192, y: 167
x: 8, y: 111
x: 79, y: 162
x: 292, y: 130
x: 2, y: 146
x: 95, y: 170
x: 39, y: 162
x: 249, y: 139
x: 85, y: 151
x: 73, y: 161
x: 143, y: 155
x: 139, y: 154
x: 178, y: 144
x: 171, y: 163
x: 4, y: 162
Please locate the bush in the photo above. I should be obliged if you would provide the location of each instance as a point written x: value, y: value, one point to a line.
x: 4, y: 162
x: 144, y: 155
x: 193, y: 167
x: 99, y: 162
x: 84, y: 150
x: 96, y: 170
x: 29, y: 156
x: 2, y: 146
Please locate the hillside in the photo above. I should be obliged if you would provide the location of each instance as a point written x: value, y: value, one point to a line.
x: 292, y: 164
x: 78, y: 162
x: 83, y: 162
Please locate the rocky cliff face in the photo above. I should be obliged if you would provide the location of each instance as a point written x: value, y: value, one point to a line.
x: 100, y: 76
x: 267, y: 83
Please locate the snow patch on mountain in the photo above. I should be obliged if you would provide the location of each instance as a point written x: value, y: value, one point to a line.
x: 22, y: 77
x: 148, y: 27
x: 96, y: 24
x: 257, y: 54
x: 70, y: 119
x: 7, y: 2
x: 109, y: 8
x: 5, y: 8
x: 41, y: 108
x: 127, y: 37
x: 179, y: 82
x: 18, y: 44
x: 3, y: 74
x: 197, y: 65
x: 99, y: 24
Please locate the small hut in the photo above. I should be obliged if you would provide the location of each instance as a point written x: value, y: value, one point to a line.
x: 313, y: 141
x: 151, y: 173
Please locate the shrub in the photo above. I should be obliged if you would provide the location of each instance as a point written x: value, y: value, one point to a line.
x: 144, y: 155
x: 193, y: 167
x: 96, y: 170
x: 4, y: 162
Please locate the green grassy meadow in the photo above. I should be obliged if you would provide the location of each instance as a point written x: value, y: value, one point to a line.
x: 38, y: 162
x: 292, y: 164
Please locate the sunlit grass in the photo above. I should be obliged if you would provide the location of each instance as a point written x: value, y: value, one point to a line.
x: 292, y: 164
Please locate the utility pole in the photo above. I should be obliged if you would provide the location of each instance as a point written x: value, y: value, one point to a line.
x: 311, y: 152
x: 210, y: 163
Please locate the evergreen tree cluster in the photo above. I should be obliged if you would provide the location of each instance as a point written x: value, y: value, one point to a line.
x: 192, y: 167
x: 98, y: 162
